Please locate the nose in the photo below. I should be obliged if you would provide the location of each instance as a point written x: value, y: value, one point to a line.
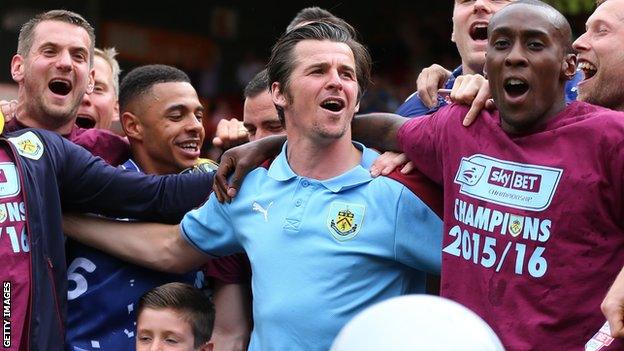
x: 482, y: 6
x: 86, y: 100
x: 261, y: 133
x: 581, y: 43
x: 64, y: 61
x: 516, y: 56
x: 334, y: 81
x: 194, y: 125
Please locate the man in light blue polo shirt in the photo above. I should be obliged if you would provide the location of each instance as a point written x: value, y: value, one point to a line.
x: 325, y: 240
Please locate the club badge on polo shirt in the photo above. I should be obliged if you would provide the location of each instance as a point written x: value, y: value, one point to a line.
x: 344, y: 220
x: 28, y: 145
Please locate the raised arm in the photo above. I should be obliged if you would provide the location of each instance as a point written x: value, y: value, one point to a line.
x: 153, y: 245
x: 378, y: 130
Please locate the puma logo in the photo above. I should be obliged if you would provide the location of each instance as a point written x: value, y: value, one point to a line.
x: 257, y: 207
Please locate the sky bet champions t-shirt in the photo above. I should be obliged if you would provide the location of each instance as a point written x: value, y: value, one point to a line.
x: 532, y: 237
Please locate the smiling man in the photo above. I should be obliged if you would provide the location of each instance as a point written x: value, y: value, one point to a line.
x: 470, y: 21
x: 161, y: 115
x: 313, y: 220
x: 533, y: 192
x: 101, y: 107
x: 53, y: 68
x: 600, y: 58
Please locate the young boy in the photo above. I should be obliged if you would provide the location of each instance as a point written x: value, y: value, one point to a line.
x: 174, y: 316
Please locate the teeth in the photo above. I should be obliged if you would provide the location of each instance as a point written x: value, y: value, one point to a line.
x: 191, y: 145
x: 586, y: 66
x: 515, y: 82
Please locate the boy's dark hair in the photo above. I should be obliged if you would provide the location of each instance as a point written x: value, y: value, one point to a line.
x: 257, y: 85
x: 191, y: 303
x: 282, y: 61
x: 139, y: 81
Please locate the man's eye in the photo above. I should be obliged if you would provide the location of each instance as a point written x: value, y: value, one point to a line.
x: 347, y: 75
x: 535, y: 45
x: 501, y: 44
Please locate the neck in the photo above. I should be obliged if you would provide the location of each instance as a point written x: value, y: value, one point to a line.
x: 471, y: 69
x: 521, y: 129
x: 148, y: 165
x: 36, y: 119
x: 311, y: 159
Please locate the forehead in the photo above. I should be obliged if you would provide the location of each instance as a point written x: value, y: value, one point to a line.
x: 102, y: 69
x: 311, y: 52
x: 62, y: 34
x: 259, y: 107
x: 162, y: 96
x: 163, y: 320
x: 523, y: 18
x: 609, y: 11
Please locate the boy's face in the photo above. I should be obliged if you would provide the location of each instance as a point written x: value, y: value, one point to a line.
x: 165, y: 330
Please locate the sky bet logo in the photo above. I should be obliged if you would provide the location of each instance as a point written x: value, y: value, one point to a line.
x: 515, y: 180
x: 517, y: 185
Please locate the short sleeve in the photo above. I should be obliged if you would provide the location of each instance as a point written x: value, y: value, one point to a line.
x: 209, y: 229
x: 418, y: 234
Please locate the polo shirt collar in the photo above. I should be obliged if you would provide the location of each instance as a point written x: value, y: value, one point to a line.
x: 280, y: 170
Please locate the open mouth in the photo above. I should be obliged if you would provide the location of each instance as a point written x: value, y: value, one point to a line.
x: 515, y: 87
x: 589, y: 70
x: 60, y: 86
x: 478, y: 31
x: 332, y: 104
x: 84, y: 121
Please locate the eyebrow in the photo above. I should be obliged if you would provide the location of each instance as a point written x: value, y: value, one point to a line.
x: 325, y: 65
x: 529, y: 32
x: 178, y: 107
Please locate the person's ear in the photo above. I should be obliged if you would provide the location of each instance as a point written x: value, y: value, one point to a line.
x: 484, y: 67
x: 18, y: 68
x: 209, y: 346
x: 91, y: 83
x: 278, y: 96
x: 115, y: 112
x: 568, y: 66
x: 131, y: 125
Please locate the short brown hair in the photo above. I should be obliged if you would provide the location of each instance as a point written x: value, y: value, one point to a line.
x: 282, y: 63
x: 27, y: 32
x: 108, y: 55
x: 191, y: 303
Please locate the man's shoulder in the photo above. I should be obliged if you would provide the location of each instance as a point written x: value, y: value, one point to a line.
x: 83, y: 134
x: 111, y: 147
x: 41, y: 134
x: 605, y: 121
x: 426, y: 190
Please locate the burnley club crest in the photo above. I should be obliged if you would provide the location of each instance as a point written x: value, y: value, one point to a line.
x: 345, y: 220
